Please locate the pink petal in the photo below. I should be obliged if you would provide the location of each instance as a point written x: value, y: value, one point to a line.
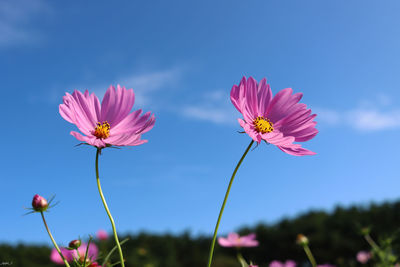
x: 233, y: 236
x: 128, y: 121
x: 264, y: 97
x: 83, y: 115
x: 124, y: 100
x: 249, y: 129
x: 296, y: 150
x: 108, y: 105
x: 56, y: 258
x: 72, y: 112
x: 282, y: 103
x: 235, y: 97
x: 251, y: 96
x: 223, y: 242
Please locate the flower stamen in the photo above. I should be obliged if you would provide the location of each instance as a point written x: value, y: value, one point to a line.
x: 102, y: 130
x: 263, y: 125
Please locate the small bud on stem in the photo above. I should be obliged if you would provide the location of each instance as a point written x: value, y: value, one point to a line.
x: 39, y: 203
x: 302, y: 240
x: 74, y: 244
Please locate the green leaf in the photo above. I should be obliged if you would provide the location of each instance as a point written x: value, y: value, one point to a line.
x: 112, y: 251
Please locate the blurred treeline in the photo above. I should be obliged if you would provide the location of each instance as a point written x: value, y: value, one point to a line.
x: 334, y: 238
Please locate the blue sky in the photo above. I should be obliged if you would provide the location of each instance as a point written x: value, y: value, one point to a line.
x: 182, y: 58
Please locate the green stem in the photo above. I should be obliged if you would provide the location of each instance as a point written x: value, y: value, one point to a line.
x: 241, y: 259
x: 223, y: 204
x: 106, y: 208
x: 54, y: 242
x: 371, y: 242
x: 310, y: 255
x: 77, y: 253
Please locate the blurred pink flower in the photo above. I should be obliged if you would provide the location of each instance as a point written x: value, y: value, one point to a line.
x: 275, y: 264
x: 102, y: 235
x: 278, y: 120
x: 69, y: 255
x: 110, y: 123
x: 56, y: 258
x: 288, y: 263
x: 93, y: 251
x: 234, y: 240
x: 253, y: 265
x: 363, y: 257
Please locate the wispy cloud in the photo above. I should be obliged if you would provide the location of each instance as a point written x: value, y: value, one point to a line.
x: 213, y: 107
x: 373, y: 120
x: 368, y: 116
x: 15, y: 21
x: 378, y: 115
x: 144, y: 84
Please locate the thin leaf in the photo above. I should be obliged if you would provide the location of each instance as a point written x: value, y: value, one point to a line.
x: 112, y: 250
x: 87, y: 250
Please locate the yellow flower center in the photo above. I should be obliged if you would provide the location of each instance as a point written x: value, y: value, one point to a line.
x: 263, y: 125
x: 102, y: 130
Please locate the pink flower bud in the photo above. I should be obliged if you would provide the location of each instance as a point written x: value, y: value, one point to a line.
x: 74, y: 244
x: 39, y: 203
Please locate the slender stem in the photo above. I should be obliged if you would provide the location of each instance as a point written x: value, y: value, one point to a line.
x: 371, y: 242
x: 107, y: 210
x: 241, y: 259
x: 223, y: 204
x: 310, y: 255
x: 54, y: 242
x: 77, y: 253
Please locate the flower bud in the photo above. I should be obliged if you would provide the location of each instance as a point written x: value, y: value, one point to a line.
x: 365, y: 231
x: 302, y: 240
x: 74, y: 244
x: 39, y: 203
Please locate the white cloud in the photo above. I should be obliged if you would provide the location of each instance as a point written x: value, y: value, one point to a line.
x: 214, y: 107
x: 212, y: 114
x: 145, y: 85
x: 15, y: 20
x: 373, y: 120
x: 368, y: 116
x: 330, y: 117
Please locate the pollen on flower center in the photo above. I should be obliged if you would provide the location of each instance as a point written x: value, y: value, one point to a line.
x: 263, y: 125
x: 102, y: 130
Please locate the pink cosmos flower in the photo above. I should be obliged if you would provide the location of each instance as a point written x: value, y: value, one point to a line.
x: 278, y: 120
x: 275, y: 264
x: 110, y: 123
x: 234, y: 240
x: 363, y: 257
x: 288, y: 263
x: 102, y: 235
x: 93, y: 251
x: 56, y: 258
x: 69, y: 255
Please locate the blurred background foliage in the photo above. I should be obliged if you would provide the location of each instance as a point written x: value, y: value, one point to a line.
x: 334, y: 238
